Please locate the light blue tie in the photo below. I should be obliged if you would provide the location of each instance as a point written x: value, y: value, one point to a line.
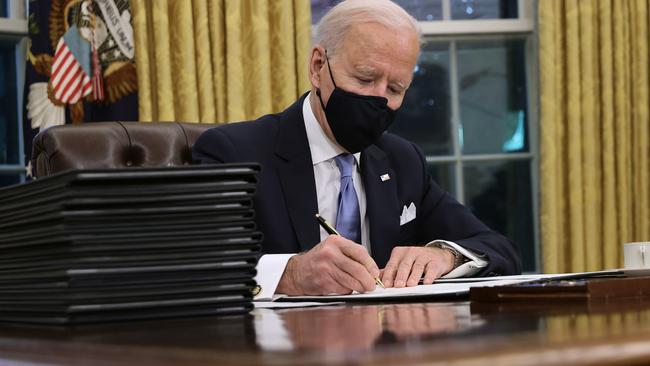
x: 348, y: 222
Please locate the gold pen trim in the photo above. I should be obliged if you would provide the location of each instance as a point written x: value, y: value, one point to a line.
x: 326, y: 225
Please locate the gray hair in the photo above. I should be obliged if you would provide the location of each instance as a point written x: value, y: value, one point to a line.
x: 332, y: 28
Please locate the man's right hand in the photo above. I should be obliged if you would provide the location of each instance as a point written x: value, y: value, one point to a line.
x: 334, y: 266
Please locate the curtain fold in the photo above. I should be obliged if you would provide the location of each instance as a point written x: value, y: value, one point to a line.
x: 219, y: 60
x: 595, y: 131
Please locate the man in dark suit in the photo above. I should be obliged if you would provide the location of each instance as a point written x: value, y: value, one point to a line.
x: 328, y: 154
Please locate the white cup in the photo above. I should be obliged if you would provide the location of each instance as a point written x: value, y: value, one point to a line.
x: 636, y: 255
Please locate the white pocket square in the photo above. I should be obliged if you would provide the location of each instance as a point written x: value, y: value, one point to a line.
x: 408, y: 214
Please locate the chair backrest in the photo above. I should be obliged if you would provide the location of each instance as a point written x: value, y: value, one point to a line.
x: 108, y: 145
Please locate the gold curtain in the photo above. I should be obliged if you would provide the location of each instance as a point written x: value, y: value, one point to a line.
x: 595, y: 131
x: 219, y: 60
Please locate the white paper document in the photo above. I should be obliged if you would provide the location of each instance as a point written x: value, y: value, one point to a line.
x: 445, y: 287
x: 436, y: 289
x: 537, y: 276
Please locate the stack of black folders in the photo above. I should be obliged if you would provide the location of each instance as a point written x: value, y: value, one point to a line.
x: 125, y: 244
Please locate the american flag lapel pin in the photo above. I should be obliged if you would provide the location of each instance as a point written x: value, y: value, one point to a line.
x: 384, y: 177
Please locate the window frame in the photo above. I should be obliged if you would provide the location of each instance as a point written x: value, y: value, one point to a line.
x: 524, y: 23
x: 14, y: 28
x: 452, y: 31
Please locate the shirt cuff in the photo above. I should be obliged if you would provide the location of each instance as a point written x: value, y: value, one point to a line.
x: 474, y: 261
x: 270, y: 268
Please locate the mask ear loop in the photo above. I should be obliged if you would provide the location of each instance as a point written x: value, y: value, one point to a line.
x: 327, y: 59
x: 329, y: 68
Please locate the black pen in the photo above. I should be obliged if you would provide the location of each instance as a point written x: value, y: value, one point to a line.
x: 325, y: 225
x: 332, y: 231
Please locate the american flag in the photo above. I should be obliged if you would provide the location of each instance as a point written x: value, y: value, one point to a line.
x: 71, y: 72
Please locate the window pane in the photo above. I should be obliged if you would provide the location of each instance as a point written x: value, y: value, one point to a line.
x: 424, y: 117
x: 7, y: 179
x: 483, y: 9
x: 492, y: 92
x: 422, y: 9
x: 443, y: 174
x: 3, y: 9
x: 499, y: 193
x: 9, y: 110
x: 419, y: 9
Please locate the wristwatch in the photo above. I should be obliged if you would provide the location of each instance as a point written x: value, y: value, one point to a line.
x: 458, y: 257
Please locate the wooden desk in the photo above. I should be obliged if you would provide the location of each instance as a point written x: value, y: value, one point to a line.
x: 388, y: 334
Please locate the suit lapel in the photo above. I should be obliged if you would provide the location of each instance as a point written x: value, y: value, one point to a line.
x: 382, y: 205
x: 296, y: 174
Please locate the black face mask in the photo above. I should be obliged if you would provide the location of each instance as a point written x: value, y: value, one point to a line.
x: 356, y: 120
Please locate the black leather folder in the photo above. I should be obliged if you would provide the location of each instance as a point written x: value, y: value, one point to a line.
x: 61, y: 318
x: 119, y: 244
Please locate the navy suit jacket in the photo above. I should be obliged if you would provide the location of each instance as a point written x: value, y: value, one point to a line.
x: 285, y: 202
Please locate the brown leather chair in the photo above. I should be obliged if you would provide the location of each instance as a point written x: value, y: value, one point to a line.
x: 104, y: 145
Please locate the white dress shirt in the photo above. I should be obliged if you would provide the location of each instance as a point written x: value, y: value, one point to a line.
x: 328, y: 175
x: 328, y: 182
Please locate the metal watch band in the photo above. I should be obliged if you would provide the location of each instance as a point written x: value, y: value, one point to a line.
x: 458, y: 257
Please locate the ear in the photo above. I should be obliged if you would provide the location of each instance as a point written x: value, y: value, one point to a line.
x: 316, y: 64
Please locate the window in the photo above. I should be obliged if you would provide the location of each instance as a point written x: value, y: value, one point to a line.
x: 484, y: 9
x: 13, y: 32
x: 472, y: 109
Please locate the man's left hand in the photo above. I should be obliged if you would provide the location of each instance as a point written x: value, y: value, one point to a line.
x: 407, y: 265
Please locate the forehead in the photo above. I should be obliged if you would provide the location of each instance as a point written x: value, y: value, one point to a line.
x: 371, y: 45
